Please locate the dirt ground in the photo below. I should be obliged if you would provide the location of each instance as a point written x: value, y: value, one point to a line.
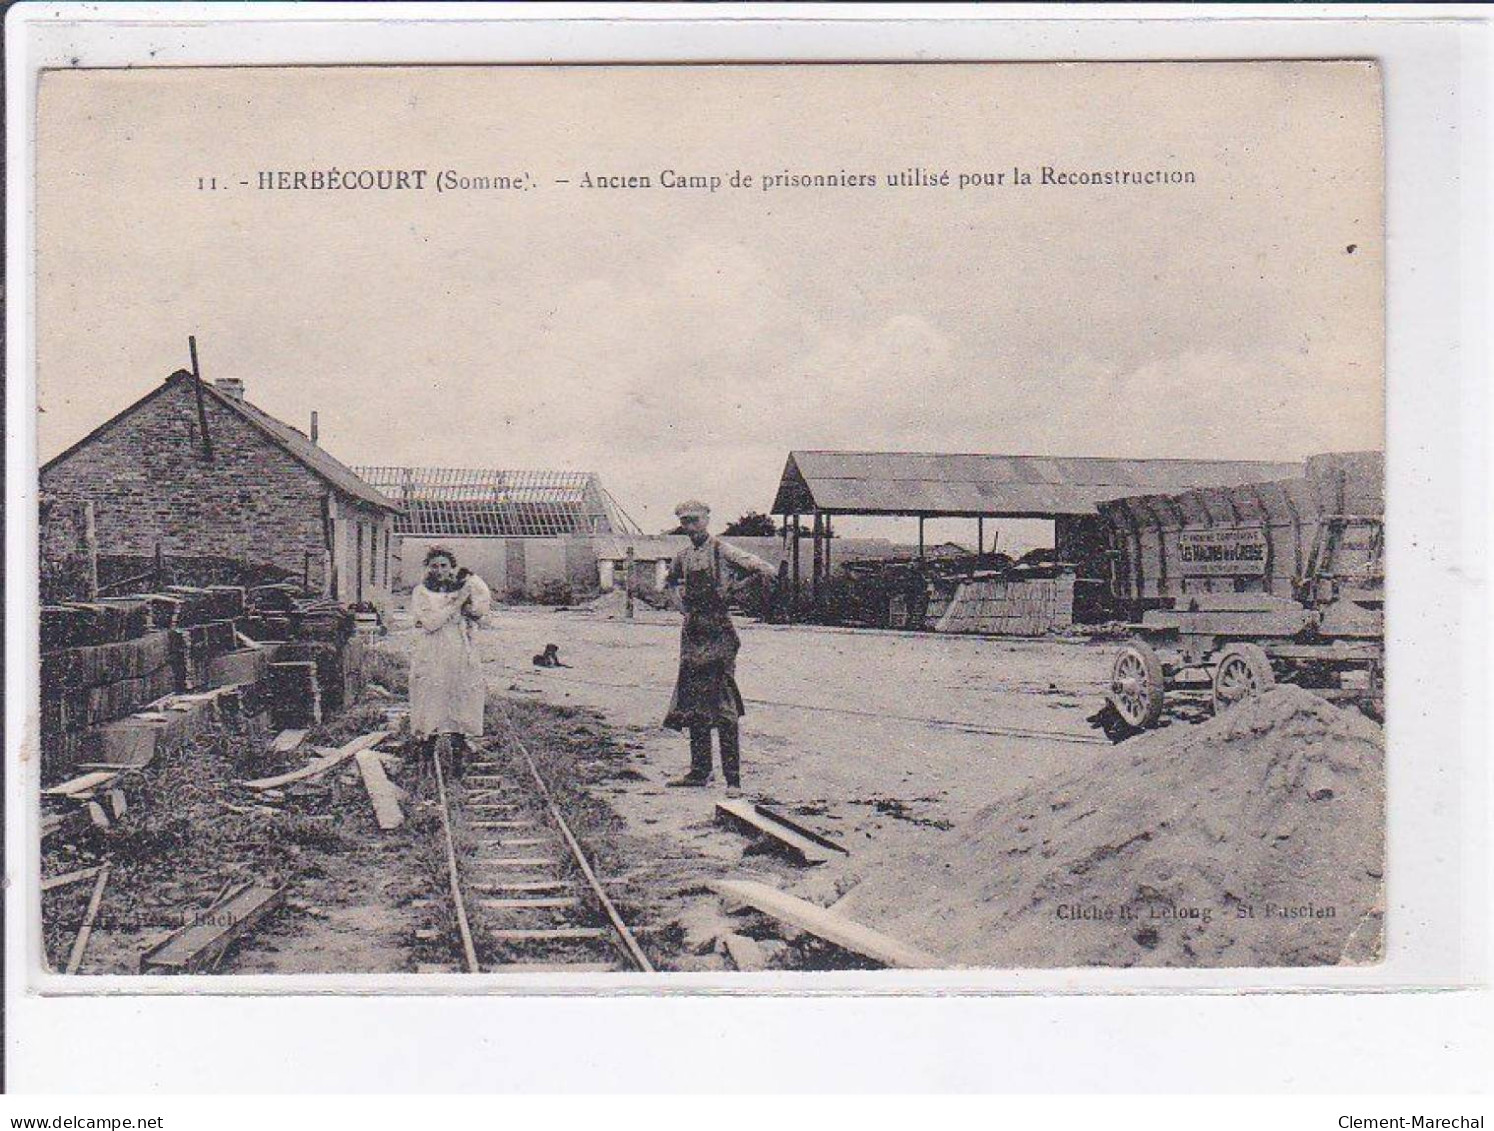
x: 190, y: 832
x: 898, y: 747
x: 882, y: 741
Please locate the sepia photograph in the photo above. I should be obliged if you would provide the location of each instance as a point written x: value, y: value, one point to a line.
x: 538, y: 523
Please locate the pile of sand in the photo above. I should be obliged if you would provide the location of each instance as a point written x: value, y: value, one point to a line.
x: 1255, y: 839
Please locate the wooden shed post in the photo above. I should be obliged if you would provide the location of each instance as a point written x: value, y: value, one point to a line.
x: 628, y: 582
x: 920, y: 537
x: 980, y: 536
x: 819, y: 554
x: 794, y: 553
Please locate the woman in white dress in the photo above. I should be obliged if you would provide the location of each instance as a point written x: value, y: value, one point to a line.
x: 447, y: 690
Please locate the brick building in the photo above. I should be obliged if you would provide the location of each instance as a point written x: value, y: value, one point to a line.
x: 252, y: 489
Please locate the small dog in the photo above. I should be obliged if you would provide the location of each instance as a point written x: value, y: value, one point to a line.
x: 549, y: 658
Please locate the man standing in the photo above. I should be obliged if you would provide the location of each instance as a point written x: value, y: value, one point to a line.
x: 705, y: 694
x: 446, y: 685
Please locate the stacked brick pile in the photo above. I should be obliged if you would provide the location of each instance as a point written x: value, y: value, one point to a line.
x: 106, y: 659
x: 109, y: 665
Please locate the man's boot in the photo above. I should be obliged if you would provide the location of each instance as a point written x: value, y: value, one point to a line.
x: 731, y: 759
x: 700, y: 759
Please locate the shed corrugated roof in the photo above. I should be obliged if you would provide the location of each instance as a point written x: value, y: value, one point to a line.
x: 994, y: 485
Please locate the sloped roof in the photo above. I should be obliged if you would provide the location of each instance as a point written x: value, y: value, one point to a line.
x: 456, y: 502
x: 295, y: 442
x: 929, y: 483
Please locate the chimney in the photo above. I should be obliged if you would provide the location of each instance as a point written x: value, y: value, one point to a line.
x: 313, y: 426
x: 230, y: 387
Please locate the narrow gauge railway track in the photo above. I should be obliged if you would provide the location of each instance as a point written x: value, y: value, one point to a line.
x: 966, y: 727
x: 527, y: 900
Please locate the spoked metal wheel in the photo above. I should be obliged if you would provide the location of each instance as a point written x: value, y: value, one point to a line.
x: 1137, y: 683
x: 1242, y: 671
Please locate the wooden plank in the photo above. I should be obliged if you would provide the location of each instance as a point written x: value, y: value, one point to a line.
x: 518, y: 862
x: 800, y: 828
x: 85, y: 932
x: 521, y: 885
x: 82, y: 786
x: 553, y: 968
x: 52, y: 883
x: 826, y: 925
x: 538, y: 903
x: 547, y: 934
x: 381, y: 791
x: 288, y: 740
x: 322, y: 765
x: 798, y: 848
x: 200, y: 946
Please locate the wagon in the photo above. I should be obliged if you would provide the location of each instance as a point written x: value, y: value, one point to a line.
x: 1242, y: 588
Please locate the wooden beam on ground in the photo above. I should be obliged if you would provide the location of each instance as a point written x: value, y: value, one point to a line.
x: 798, y: 848
x: 381, y: 791
x: 52, y: 883
x: 800, y: 828
x: 288, y: 740
x: 82, y: 786
x: 201, y: 945
x: 322, y: 765
x: 823, y: 924
x: 85, y: 932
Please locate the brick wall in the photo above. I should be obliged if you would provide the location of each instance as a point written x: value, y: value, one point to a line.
x: 149, y: 482
x: 69, y: 562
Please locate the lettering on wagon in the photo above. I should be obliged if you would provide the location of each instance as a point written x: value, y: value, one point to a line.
x: 1235, y: 552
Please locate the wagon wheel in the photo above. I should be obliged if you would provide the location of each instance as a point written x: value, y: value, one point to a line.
x: 1136, y: 684
x: 1242, y: 671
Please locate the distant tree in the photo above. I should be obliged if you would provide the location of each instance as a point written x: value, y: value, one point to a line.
x: 753, y: 525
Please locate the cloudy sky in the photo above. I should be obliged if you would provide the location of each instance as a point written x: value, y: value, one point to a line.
x: 682, y: 342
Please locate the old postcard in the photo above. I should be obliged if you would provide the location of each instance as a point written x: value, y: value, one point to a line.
x: 558, y: 523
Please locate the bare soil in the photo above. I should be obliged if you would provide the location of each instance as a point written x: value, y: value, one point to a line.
x: 1256, y: 839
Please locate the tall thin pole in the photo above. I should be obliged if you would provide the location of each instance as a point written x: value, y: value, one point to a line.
x: 829, y: 534
x: 207, y: 443
x: 795, y: 555
x: 628, y: 581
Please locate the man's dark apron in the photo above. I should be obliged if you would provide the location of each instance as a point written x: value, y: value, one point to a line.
x: 705, y: 694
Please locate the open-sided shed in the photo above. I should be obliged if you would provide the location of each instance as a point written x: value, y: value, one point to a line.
x: 924, y: 485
